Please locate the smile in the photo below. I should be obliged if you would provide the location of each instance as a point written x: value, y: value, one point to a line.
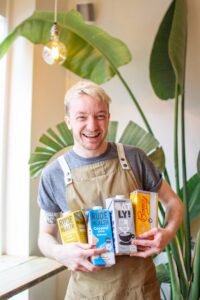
x: 91, y: 135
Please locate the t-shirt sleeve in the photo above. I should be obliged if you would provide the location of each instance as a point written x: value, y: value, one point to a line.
x: 144, y: 169
x: 151, y: 177
x: 46, y: 198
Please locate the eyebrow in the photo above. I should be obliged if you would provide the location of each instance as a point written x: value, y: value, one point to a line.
x: 85, y: 113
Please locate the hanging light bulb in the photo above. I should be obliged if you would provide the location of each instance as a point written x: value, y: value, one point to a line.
x: 54, y: 52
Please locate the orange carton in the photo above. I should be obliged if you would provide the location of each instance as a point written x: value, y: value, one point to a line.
x: 72, y: 227
x: 145, y: 207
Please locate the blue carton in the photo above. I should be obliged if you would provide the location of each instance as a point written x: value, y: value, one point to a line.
x: 100, y: 234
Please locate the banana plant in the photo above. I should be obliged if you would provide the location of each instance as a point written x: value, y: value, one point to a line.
x: 95, y: 55
x: 167, y: 74
x: 59, y: 140
x: 91, y: 52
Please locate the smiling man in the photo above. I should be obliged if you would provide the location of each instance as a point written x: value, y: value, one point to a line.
x: 84, y: 177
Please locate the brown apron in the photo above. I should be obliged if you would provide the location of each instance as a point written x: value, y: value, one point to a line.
x: 131, y: 278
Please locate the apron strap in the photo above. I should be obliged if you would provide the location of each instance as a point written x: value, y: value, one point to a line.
x: 122, y: 158
x: 66, y: 170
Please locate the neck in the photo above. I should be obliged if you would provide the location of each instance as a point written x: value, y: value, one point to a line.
x: 89, y: 153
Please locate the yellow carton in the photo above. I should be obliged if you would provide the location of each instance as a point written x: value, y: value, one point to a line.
x: 72, y: 227
x: 145, y: 207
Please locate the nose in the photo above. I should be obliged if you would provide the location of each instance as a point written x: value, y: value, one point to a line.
x: 92, y: 123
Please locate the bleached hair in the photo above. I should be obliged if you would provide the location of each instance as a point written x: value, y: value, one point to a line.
x: 88, y: 88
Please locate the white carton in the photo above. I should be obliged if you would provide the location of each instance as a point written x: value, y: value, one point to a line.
x: 122, y: 224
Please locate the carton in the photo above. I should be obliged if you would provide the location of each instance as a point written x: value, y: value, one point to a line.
x: 145, y: 207
x: 72, y: 227
x: 122, y: 224
x: 100, y: 234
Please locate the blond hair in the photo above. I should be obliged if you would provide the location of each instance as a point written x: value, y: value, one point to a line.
x: 88, y: 88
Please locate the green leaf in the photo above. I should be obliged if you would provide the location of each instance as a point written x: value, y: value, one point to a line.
x: 138, y: 137
x: 158, y: 158
x: 162, y: 273
x: 112, y: 131
x: 177, y: 41
x: 55, y: 143
x: 167, y: 61
x: 193, y: 190
x: 175, y: 284
x: 91, y: 52
x: 65, y: 134
x: 195, y: 284
x: 180, y: 267
x: 46, y: 140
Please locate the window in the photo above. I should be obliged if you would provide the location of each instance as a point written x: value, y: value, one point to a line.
x: 3, y: 32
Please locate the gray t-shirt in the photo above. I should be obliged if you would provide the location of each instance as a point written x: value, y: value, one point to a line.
x: 52, y: 189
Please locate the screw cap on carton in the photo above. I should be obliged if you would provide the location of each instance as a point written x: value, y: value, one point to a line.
x: 97, y: 207
x: 66, y: 212
x: 120, y: 196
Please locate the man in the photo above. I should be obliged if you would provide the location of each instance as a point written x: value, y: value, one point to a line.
x: 84, y: 177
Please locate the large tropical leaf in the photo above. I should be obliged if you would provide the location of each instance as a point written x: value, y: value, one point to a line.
x: 137, y: 136
x: 55, y: 142
x: 91, y: 52
x: 193, y: 190
x: 162, y: 273
x: 112, y: 131
x: 167, y: 62
x: 195, y: 284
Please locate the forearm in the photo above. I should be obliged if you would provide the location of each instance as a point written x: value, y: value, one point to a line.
x: 174, y: 209
x: 174, y: 217
x: 48, y: 245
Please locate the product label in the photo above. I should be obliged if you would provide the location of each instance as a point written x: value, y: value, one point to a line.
x: 122, y: 224
x: 72, y: 227
x: 145, y: 206
x: 100, y: 234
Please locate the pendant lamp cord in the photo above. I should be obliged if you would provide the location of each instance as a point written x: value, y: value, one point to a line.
x: 55, y: 11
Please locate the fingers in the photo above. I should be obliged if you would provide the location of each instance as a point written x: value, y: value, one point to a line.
x: 149, y: 233
x: 141, y: 242
x: 91, y: 252
x: 148, y: 252
x: 87, y: 266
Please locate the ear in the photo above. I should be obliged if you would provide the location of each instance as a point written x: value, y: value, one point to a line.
x: 67, y: 121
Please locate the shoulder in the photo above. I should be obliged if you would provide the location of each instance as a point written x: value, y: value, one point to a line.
x: 134, y: 152
x: 51, y: 168
x: 52, y: 172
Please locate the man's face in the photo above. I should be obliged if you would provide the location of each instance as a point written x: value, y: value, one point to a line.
x: 88, y: 119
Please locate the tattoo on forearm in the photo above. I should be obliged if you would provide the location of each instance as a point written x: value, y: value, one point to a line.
x: 51, y: 217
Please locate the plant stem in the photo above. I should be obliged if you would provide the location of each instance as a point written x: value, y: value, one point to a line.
x: 185, y: 196
x: 141, y: 114
x: 176, y: 162
x: 175, y: 286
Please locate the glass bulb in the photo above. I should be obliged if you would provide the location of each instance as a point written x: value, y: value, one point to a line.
x: 55, y: 51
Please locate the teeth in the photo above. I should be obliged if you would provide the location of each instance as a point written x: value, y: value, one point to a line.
x: 91, y: 136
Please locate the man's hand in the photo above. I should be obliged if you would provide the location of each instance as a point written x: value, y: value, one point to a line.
x: 152, y: 242
x: 75, y: 256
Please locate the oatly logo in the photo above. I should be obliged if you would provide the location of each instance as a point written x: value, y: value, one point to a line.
x: 124, y: 214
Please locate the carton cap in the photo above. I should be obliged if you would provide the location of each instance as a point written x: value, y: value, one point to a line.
x: 97, y: 207
x: 66, y: 212
x: 120, y: 196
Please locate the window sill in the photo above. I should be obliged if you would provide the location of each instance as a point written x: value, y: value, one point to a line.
x: 19, y: 273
